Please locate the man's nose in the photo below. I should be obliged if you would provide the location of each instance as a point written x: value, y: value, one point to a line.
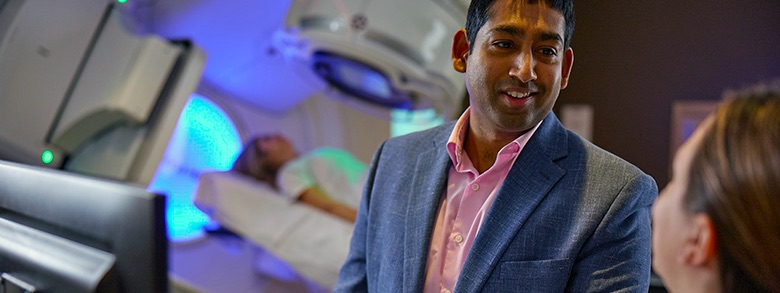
x: 523, y: 67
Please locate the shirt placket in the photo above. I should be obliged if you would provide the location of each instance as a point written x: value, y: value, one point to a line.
x: 463, y: 221
x: 455, y: 239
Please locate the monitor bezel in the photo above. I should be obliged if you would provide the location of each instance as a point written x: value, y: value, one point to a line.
x: 116, y: 217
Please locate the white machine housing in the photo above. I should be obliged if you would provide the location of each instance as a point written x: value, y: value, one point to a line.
x: 395, y: 54
x: 74, y: 81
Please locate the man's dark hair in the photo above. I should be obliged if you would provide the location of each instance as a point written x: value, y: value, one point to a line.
x: 479, y: 13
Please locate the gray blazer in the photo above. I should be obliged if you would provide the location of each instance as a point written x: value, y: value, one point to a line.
x: 570, y: 217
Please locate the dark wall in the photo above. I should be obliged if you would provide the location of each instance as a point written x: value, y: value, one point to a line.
x: 634, y: 58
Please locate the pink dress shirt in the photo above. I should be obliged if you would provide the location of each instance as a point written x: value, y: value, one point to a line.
x: 467, y: 200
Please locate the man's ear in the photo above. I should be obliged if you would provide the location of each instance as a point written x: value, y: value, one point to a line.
x: 568, y: 61
x: 460, y: 50
x: 701, y: 249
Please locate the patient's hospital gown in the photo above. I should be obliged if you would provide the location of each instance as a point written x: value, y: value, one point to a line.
x: 336, y: 172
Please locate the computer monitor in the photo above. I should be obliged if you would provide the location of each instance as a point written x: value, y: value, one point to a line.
x: 64, y: 232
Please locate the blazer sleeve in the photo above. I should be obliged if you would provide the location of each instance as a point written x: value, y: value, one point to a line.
x: 617, y: 256
x: 353, y: 274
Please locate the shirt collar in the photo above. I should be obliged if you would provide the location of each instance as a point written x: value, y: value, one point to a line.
x: 457, y: 138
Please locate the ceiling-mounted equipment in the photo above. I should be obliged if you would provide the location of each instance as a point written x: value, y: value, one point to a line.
x: 395, y: 54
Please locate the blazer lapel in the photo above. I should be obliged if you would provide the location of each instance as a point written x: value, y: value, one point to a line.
x: 427, y: 187
x: 527, y: 184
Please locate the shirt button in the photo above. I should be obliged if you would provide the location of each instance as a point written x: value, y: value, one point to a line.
x: 458, y: 238
x: 475, y: 187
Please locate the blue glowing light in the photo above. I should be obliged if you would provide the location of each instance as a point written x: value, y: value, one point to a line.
x: 408, y: 121
x: 205, y: 139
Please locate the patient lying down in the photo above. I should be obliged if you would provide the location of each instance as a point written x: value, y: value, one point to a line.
x: 328, y: 179
x: 301, y: 208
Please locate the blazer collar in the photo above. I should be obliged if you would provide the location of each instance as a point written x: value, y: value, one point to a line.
x: 523, y: 189
x: 527, y: 184
x: 423, y: 204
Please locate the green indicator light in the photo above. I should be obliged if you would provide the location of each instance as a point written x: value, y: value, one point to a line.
x: 121, y: 1
x: 47, y: 157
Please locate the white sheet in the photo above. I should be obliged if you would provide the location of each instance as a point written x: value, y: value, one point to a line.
x: 314, y: 243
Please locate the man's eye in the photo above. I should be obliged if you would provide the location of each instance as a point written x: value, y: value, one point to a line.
x: 548, y: 51
x: 503, y: 45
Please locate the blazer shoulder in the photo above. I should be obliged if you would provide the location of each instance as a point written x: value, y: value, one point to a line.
x: 602, y: 161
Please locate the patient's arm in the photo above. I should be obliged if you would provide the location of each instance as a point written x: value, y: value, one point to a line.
x: 315, y: 198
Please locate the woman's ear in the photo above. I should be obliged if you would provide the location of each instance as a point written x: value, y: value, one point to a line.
x: 460, y: 50
x: 701, y: 249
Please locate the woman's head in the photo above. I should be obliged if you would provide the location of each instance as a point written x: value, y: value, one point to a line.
x: 718, y: 220
x: 263, y: 155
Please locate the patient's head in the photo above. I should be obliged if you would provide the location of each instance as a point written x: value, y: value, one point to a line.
x: 716, y: 225
x: 263, y: 155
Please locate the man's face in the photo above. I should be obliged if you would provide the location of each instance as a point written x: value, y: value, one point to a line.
x: 517, y: 67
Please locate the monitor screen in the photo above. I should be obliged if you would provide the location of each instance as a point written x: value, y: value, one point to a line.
x: 64, y: 232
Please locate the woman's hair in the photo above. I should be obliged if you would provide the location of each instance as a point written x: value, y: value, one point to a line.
x: 251, y: 162
x: 735, y: 180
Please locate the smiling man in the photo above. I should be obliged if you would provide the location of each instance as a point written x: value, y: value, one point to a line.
x: 504, y: 199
